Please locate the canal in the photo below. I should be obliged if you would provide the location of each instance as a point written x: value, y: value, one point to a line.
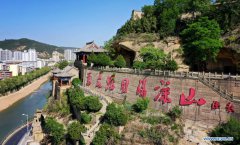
x: 12, y: 117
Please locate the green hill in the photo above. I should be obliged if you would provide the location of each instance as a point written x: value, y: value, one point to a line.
x: 45, y: 50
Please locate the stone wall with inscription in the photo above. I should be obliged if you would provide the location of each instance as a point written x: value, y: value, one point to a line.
x: 198, y: 101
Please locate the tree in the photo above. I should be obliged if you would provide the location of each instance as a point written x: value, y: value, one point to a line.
x: 92, y: 104
x: 63, y: 64
x: 201, y: 41
x: 75, y: 131
x: 229, y: 129
x: 76, y: 82
x: 141, y: 105
x: 54, y: 129
x: 152, y: 57
x: 120, y: 61
x: 116, y: 115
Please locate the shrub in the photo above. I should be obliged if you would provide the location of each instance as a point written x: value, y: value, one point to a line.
x: 120, y: 61
x: 229, y: 129
x: 76, y: 82
x: 176, y: 112
x: 55, y: 129
x: 171, y: 65
x: 63, y: 64
x: 106, y: 135
x: 141, y: 105
x: 116, y: 115
x: 101, y: 59
x: 74, y: 131
x: 139, y: 65
x: 92, y: 104
x: 85, y: 118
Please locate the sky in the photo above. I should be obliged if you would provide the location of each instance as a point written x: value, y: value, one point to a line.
x: 69, y: 23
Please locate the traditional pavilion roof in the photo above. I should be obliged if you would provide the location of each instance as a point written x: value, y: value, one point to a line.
x: 67, y: 68
x: 63, y: 74
x: 57, y: 70
x: 91, y: 47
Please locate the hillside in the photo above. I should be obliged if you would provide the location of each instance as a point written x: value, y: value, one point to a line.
x: 45, y: 50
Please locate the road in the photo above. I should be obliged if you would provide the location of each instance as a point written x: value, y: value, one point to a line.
x: 13, y: 140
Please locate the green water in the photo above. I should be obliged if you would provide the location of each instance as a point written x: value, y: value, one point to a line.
x: 12, y: 118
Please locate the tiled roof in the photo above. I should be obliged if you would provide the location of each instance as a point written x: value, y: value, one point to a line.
x: 91, y: 47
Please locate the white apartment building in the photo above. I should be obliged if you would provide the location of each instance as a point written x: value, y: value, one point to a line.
x: 17, y: 55
x: 69, y: 54
x: 32, y: 55
x: 6, y: 55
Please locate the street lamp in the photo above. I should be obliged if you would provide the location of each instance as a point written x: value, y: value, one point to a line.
x: 27, y: 120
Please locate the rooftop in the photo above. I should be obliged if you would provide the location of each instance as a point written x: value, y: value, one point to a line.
x: 91, y: 47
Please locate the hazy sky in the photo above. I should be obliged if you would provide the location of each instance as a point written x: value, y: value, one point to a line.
x: 65, y: 22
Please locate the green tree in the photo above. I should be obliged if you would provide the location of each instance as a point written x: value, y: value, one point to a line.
x: 120, y: 61
x: 201, y: 41
x: 75, y: 131
x: 141, y: 105
x: 63, y: 64
x: 229, y: 129
x: 116, y: 115
x: 106, y: 135
x: 92, y: 104
x: 85, y: 118
x: 76, y: 82
x: 54, y: 129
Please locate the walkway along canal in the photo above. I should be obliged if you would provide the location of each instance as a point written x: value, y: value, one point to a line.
x: 12, y: 117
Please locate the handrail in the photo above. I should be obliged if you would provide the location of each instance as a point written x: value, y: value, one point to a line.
x: 201, y: 76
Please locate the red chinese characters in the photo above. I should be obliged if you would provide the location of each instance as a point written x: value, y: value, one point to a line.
x: 229, y: 107
x: 99, y: 84
x: 163, y: 93
x: 110, y: 83
x: 184, y: 101
x: 141, y: 89
x: 124, y: 85
x: 215, y: 105
x: 89, y: 79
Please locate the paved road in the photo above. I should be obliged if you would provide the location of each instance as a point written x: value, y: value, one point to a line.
x: 17, y: 136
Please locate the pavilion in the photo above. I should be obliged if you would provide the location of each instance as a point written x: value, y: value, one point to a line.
x: 89, y: 48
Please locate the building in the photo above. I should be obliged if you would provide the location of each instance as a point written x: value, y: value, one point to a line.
x: 17, y: 55
x: 136, y: 14
x: 6, y: 55
x: 32, y: 54
x: 69, y: 54
x: 5, y: 74
x: 25, y: 56
x: 90, y: 47
x: 56, y: 56
x: 14, y: 68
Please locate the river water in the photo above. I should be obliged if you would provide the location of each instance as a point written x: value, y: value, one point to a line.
x: 12, y: 117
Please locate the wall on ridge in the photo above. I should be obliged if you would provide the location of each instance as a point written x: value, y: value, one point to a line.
x: 177, y: 86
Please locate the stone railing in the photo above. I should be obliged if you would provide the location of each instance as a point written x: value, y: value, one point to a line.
x: 205, y: 78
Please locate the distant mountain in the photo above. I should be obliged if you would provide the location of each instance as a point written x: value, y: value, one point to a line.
x: 45, y: 50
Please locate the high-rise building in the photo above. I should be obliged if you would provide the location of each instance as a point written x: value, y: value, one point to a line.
x: 69, y: 54
x: 6, y: 55
x: 17, y: 55
x: 32, y: 55
x: 25, y: 56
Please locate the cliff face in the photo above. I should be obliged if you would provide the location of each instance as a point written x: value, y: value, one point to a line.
x: 170, y: 45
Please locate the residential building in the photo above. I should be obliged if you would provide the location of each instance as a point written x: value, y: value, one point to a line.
x: 17, y: 55
x: 32, y: 55
x: 5, y: 74
x: 14, y: 68
x: 25, y: 56
x: 69, y: 54
x: 6, y: 55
